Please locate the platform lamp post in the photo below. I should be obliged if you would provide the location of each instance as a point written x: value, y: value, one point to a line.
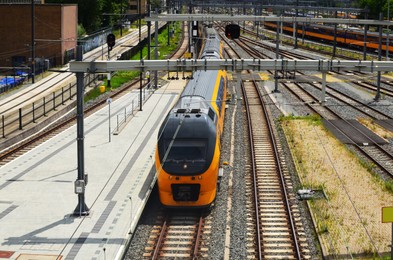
x: 141, y: 55
x: 81, y: 181
x: 32, y: 42
x: 156, y: 51
x: 378, y: 94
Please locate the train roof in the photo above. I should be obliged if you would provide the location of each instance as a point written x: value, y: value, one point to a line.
x: 212, y: 47
x: 199, y: 90
x: 210, y: 32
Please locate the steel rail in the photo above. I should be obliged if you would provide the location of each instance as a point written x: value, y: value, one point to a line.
x: 281, y: 175
x: 198, y: 238
x: 160, y: 240
x: 254, y: 174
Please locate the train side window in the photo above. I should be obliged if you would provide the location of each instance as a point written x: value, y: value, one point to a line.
x: 211, y: 114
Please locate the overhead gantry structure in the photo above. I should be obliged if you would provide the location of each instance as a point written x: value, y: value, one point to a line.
x: 257, y: 18
x: 238, y: 65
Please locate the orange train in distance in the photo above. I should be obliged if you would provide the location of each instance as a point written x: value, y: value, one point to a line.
x: 351, y: 38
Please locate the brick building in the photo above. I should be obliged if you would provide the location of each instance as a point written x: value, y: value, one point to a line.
x: 133, y: 7
x: 55, y: 33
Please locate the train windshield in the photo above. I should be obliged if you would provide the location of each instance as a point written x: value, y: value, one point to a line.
x: 186, y: 150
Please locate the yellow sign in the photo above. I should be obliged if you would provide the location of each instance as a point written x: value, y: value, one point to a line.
x: 188, y: 55
x: 387, y: 214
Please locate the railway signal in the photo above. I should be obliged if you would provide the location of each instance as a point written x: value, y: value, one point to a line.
x: 110, y: 40
x: 232, y: 31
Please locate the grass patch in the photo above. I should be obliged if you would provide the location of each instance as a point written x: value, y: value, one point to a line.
x: 313, y: 119
x: 121, y: 77
x: 322, y: 162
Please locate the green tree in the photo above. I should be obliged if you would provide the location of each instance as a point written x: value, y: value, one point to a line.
x: 374, y: 7
x: 112, y: 10
x: 155, y: 4
x: 388, y: 6
x: 90, y: 12
x: 81, y: 31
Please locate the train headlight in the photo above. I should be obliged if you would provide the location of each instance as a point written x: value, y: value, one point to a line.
x: 185, y: 166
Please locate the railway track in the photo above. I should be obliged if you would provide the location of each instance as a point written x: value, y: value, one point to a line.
x: 275, y: 224
x: 373, y: 151
x: 48, y: 94
x: 309, y: 100
x: 366, y: 109
x: 34, y: 140
x: 179, y: 235
x: 10, y: 154
x: 377, y: 154
x: 275, y: 229
x: 357, y: 78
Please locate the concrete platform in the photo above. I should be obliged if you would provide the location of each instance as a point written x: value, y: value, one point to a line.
x: 37, y: 198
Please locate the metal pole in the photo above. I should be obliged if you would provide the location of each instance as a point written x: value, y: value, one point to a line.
x: 335, y: 36
x: 109, y: 74
x: 2, y: 120
x: 277, y: 55
x: 62, y: 95
x: 156, y: 52
x: 44, y: 103
x: 387, y: 34
x: 121, y: 18
x: 148, y: 49
x: 20, y: 118
x: 323, y: 88
x: 365, y: 40
x: 109, y: 101
x: 32, y: 43
x: 140, y: 91
x: 148, y: 31
x: 295, y: 24
x: 391, y: 250
x: 81, y: 209
x: 141, y: 56
x: 378, y: 95
x: 102, y: 46
x: 169, y: 25
x: 33, y: 113
x: 244, y: 22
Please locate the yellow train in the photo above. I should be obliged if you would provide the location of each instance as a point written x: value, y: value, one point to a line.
x: 188, y: 146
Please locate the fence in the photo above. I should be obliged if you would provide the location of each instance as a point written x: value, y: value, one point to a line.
x: 29, y: 114
x: 128, y: 111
